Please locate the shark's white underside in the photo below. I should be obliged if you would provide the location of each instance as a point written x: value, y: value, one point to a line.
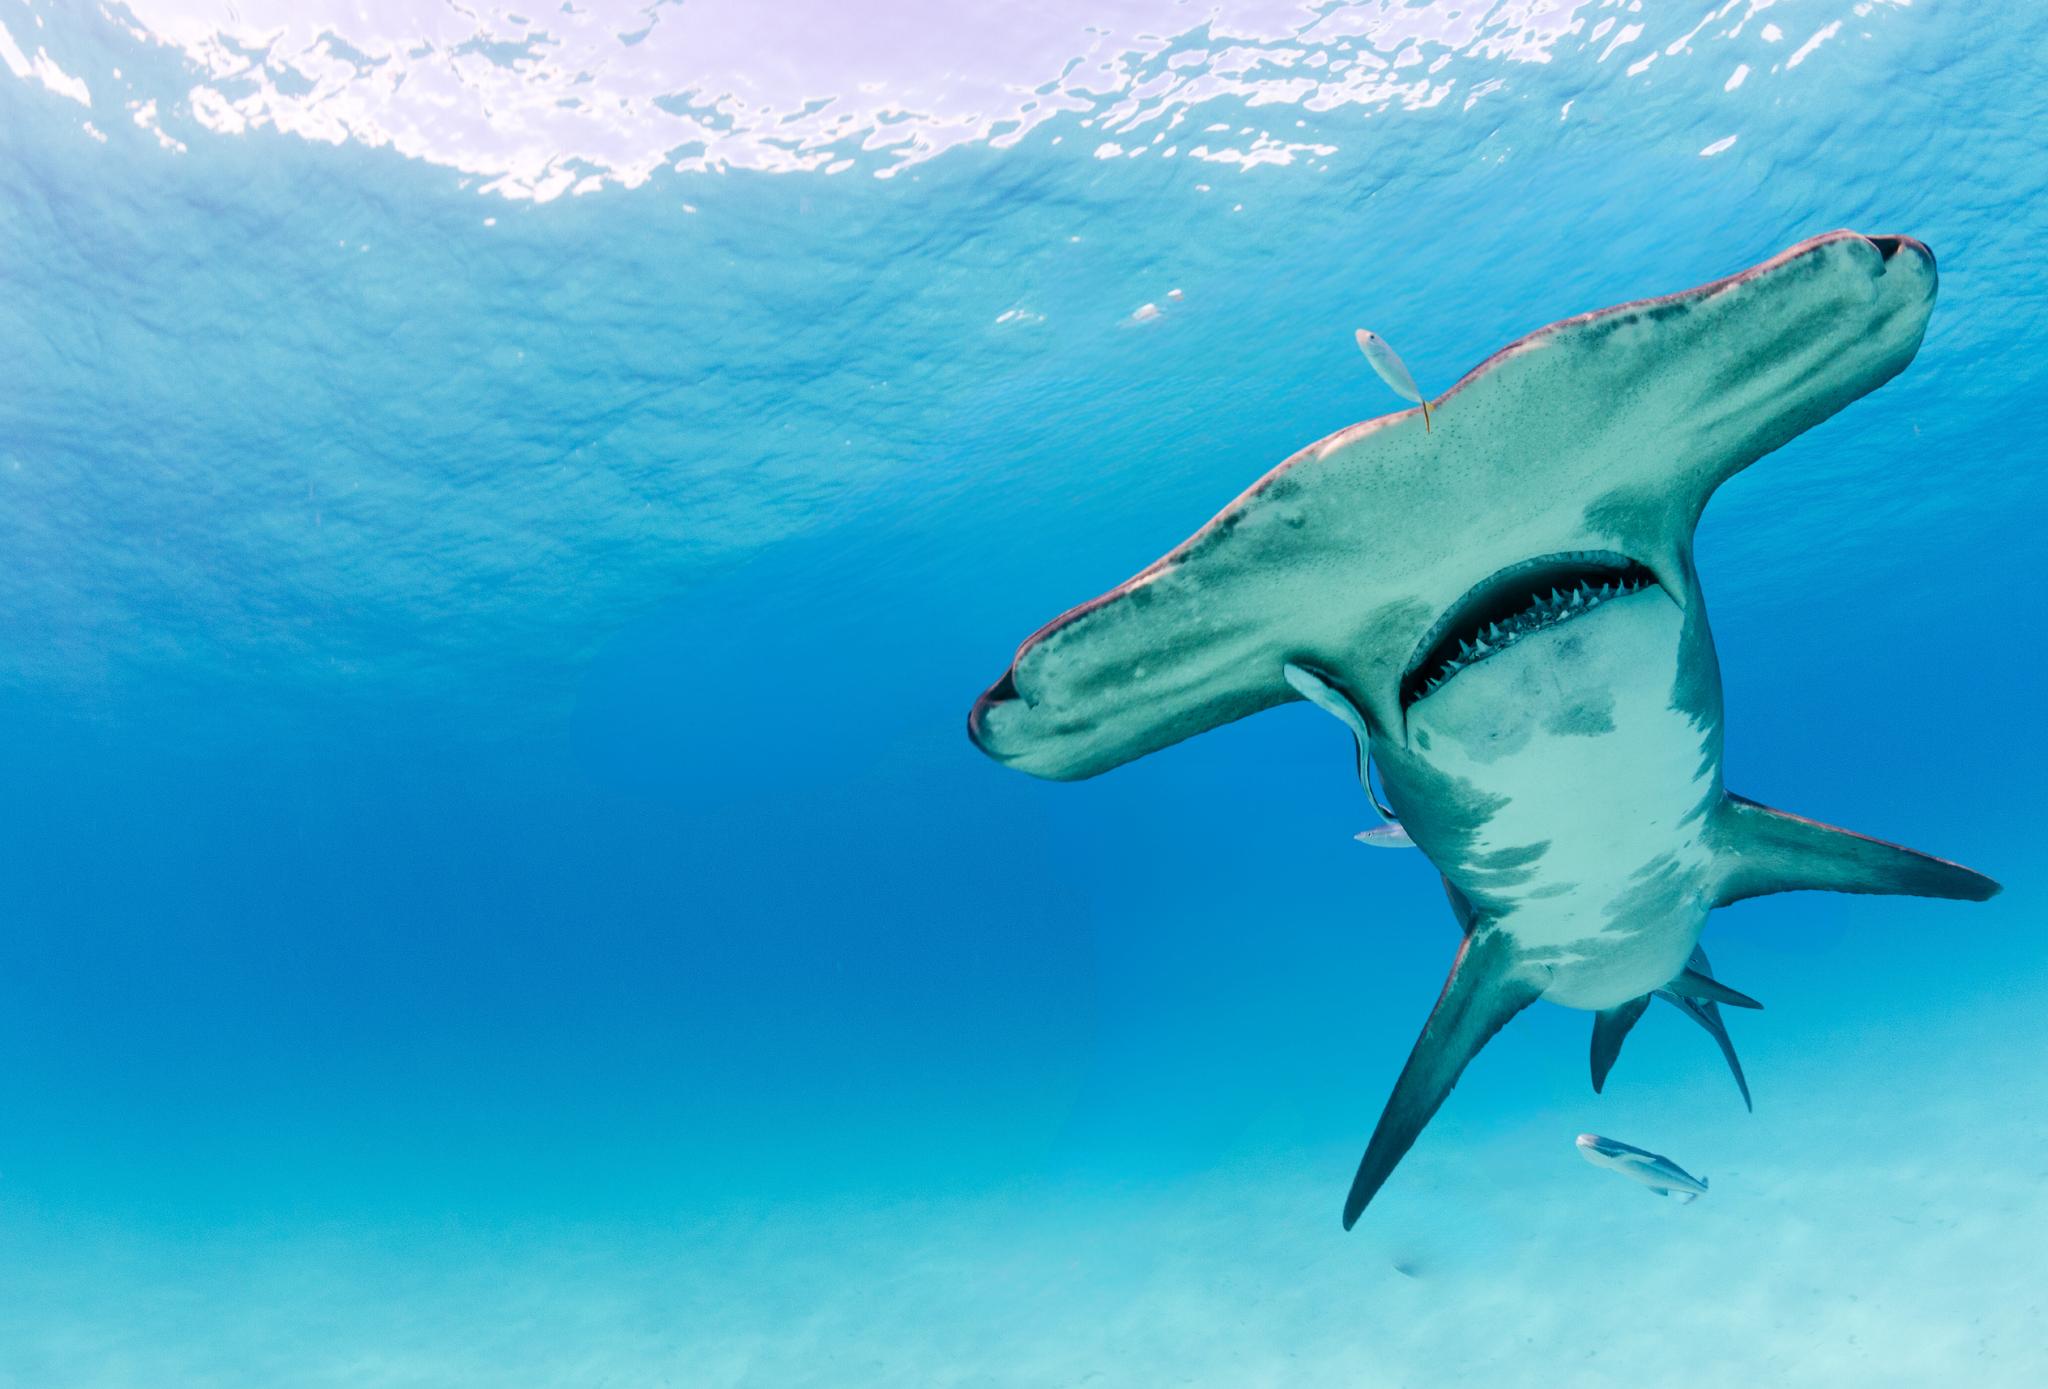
x: 1604, y: 784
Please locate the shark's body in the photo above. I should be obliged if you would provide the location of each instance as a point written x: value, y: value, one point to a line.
x: 1505, y: 613
x: 1655, y: 1171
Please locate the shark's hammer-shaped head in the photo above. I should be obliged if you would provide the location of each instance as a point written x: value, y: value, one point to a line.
x: 1578, y: 457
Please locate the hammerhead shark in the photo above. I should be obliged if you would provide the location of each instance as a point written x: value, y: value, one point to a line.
x: 1504, y: 610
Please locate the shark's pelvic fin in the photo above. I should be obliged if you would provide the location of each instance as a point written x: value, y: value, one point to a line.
x: 1690, y: 983
x: 1610, y: 1028
x: 1708, y: 1015
x: 1764, y: 851
x: 1482, y: 993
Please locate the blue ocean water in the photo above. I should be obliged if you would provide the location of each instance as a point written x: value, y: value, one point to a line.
x: 505, y: 516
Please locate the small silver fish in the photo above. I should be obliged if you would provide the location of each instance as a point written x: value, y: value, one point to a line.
x: 1653, y: 1170
x: 1392, y: 370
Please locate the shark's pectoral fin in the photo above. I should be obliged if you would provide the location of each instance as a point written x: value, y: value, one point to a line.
x: 1708, y: 1016
x: 1610, y: 1029
x: 1483, y: 992
x: 1761, y: 851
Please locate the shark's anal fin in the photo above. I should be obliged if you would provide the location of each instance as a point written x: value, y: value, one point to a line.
x: 1610, y: 1029
x: 1483, y: 992
x: 1763, y: 851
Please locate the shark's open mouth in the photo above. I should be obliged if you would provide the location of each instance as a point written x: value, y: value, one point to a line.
x: 1515, y: 603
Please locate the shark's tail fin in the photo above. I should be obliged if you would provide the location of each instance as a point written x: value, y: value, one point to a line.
x: 1763, y: 851
x: 1482, y: 993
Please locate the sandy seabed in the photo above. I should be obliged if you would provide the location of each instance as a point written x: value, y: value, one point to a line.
x: 1881, y: 1220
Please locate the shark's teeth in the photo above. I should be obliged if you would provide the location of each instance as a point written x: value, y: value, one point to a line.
x: 1559, y: 605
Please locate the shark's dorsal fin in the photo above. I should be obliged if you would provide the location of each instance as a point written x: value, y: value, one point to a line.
x: 1610, y: 1028
x: 1762, y: 851
x: 1483, y: 992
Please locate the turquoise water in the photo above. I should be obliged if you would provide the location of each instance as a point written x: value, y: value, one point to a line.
x: 505, y: 516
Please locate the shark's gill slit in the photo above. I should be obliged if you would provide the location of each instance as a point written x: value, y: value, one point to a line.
x: 1514, y: 603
